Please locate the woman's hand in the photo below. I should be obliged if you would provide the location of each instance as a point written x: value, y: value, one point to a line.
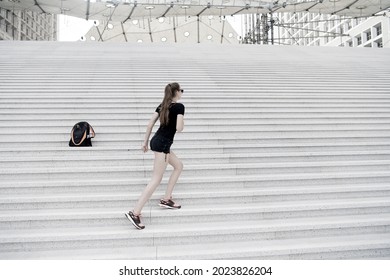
x: 145, y: 147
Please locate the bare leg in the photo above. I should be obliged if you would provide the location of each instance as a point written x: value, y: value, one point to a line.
x: 158, y: 171
x: 177, y: 169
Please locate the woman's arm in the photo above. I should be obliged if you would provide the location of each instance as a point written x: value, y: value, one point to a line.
x: 180, y: 123
x: 149, y: 131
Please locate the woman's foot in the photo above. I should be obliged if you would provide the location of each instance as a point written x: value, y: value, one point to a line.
x: 169, y: 203
x: 135, y: 220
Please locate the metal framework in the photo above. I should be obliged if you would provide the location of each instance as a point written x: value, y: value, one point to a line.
x: 260, y: 12
x: 123, y: 10
x: 257, y: 32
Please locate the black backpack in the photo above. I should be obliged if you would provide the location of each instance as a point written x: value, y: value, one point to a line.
x: 80, y: 135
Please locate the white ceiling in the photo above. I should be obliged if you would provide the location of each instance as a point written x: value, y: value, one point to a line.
x: 123, y: 10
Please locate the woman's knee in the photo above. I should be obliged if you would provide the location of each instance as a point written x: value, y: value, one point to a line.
x: 179, y: 166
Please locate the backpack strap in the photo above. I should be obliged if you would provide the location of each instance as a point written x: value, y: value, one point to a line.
x: 91, y: 131
x: 82, y: 139
x: 87, y: 131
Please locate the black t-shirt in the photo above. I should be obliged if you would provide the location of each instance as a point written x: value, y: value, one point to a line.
x: 168, y: 131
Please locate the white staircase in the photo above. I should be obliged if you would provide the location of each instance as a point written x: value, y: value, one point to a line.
x: 286, y: 152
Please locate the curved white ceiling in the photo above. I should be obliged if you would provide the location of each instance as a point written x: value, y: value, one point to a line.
x: 123, y: 10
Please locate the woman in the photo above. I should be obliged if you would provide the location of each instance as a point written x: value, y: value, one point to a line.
x: 171, y: 116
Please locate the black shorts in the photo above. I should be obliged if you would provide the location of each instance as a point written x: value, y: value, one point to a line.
x: 160, y: 144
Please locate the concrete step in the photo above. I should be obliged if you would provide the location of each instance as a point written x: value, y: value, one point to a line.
x: 130, y: 171
x: 229, y: 91
x: 341, y: 247
x: 32, y: 121
x: 246, y: 134
x: 183, y: 148
x: 76, y: 116
x: 364, y: 246
x: 250, y: 181
x: 217, y: 183
x: 217, y: 128
x: 180, y: 141
x: 223, y: 73
x: 110, y: 198
x: 175, y: 234
x: 153, y: 214
x: 125, y: 158
x: 200, y: 110
x: 192, y: 106
x: 195, y: 100
x: 199, y: 97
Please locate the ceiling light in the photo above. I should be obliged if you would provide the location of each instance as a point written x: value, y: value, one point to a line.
x: 112, y: 4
